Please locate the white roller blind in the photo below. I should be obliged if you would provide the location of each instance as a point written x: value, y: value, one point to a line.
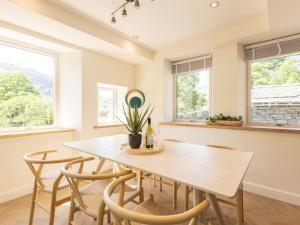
x: 192, y: 65
x: 274, y: 48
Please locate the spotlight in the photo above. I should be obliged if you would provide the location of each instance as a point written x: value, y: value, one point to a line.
x: 124, y: 12
x: 113, y: 19
x: 137, y: 4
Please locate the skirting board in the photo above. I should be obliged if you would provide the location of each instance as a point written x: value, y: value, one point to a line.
x: 15, y: 193
x: 272, y: 193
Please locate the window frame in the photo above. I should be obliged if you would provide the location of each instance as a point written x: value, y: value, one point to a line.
x: 249, y: 121
x: 114, y: 91
x: 46, y: 52
x: 116, y: 98
x: 209, y: 69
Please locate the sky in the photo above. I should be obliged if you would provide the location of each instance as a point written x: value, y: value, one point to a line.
x: 27, y: 59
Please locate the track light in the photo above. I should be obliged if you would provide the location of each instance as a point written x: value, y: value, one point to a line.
x: 137, y: 4
x: 124, y: 12
x: 123, y: 8
x: 113, y: 19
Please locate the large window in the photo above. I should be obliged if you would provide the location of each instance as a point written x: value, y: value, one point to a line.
x: 192, y: 85
x: 274, y: 82
x: 110, y: 100
x: 27, y: 88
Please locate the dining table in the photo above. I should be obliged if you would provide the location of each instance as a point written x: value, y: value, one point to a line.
x: 206, y: 169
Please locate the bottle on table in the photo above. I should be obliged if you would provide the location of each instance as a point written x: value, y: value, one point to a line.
x: 149, y: 135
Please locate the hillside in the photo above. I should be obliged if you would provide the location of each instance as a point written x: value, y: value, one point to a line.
x: 43, y: 82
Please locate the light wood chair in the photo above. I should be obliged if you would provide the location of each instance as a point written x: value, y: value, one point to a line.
x: 50, y: 189
x: 89, y: 199
x: 149, y: 212
x: 237, y: 201
x: 175, y: 185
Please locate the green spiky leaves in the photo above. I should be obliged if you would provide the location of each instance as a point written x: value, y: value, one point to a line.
x: 135, y: 120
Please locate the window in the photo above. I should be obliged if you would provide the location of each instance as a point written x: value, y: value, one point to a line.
x: 192, y: 85
x: 110, y: 100
x: 27, y: 87
x: 274, y: 83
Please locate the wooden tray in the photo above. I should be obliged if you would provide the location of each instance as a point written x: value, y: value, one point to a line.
x: 226, y: 123
x: 229, y: 123
x: 142, y: 151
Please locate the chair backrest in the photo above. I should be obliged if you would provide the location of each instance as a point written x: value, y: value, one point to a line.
x: 75, y: 176
x: 120, y: 213
x: 37, y: 160
x: 221, y: 147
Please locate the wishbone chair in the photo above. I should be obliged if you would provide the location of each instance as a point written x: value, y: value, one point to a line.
x: 89, y: 199
x: 149, y: 212
x: 50, y: 189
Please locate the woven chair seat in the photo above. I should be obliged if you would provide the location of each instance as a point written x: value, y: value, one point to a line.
x: 92, y: 195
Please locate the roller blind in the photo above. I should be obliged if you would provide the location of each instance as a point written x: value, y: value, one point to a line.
x: 192, y: 65
x: 275, y: 48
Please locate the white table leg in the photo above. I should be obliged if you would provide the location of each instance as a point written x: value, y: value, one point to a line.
x: 215, y: 204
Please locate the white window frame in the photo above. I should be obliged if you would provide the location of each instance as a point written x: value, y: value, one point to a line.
x: 209, y: 97
x: 46, y: 52
x: 249, y: 121
x: 116, y: 98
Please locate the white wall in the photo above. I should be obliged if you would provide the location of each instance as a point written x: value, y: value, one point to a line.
x: 99, y: 68
x: 16, y: 179
x: 224, y: 77
x: 70, y: 91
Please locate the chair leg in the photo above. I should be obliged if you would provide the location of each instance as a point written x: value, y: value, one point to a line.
x: 187, y: 194
x: 141, y: 196
x: 108, y: 218
x: 160, y: 184
x: 154, y: 184
x: 52, y: 208
x: 240, y: 207
x: 71, y: 212
x: 101, y: 213
x: 175, y: 195
x: 34, y: 195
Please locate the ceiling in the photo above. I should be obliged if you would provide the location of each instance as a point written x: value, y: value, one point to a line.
x: 47, y: 21
x: 161, y: 22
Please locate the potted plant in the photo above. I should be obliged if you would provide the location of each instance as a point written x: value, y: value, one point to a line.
x: 225, y: 120
x: 135, y: 122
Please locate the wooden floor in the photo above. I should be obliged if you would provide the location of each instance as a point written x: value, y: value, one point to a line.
x: 258, y: 210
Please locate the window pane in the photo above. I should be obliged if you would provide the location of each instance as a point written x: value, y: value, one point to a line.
x: 26, y: 88
x: 192, y: 95
x: 105, y: 105
x: 110, y: 100
x: 275, y: 92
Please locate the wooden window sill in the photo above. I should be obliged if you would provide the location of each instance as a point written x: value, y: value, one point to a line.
x: 292, y: 130
x: 99, y: 126
x: 22, y: 133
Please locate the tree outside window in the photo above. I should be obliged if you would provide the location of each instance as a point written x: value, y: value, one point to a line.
x: 27, y: 80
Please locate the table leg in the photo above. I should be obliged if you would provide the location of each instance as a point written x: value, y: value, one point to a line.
x: 239, y: 207
x: 198, y: 198
x: 99, y: 165
x: 116, y: 167
x: 216, y: 206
